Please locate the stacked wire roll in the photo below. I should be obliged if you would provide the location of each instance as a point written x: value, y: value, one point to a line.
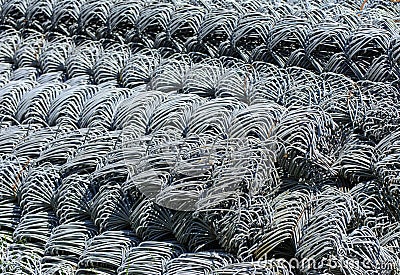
x: 199, y: 137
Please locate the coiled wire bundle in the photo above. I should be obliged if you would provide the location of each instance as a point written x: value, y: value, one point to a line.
x: 199, y: 137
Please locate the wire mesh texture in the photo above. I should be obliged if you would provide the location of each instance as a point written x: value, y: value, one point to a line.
x: 206, y: 137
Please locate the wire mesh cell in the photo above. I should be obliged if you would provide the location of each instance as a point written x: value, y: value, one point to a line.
x: 110, y: 208
x: 10, y: 216
x: 35, y: 226
x: 34, y: 105
x: 92, y: 17
x: 10, y: 96
x: 13, y: 170
x: 54, y: 53
x: 149, y: 257
x: 68, y: 105
x: 63, y: 146
x: 21, y: 258
x: 69, y: 239
x: 71, y: 199
x: 9, y: 40
x: 99, y: 110
x: 87, y: 156
x: 101, y: 255
x: 38, y: 15
x: 25, y: 73
x: 37, y: 187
